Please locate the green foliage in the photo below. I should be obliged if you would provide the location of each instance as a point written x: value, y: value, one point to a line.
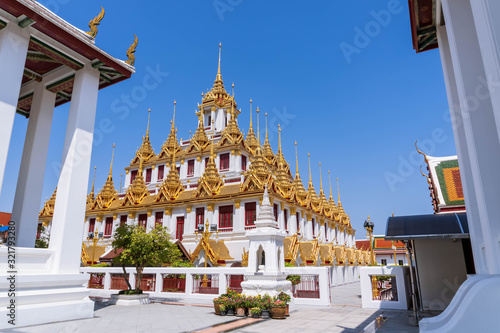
x: 130, y: 292
x: 100, y: 265
x: 287, y: 264
x: 42, y: 242
x: 142, y: 249
x: 255, y: 310
x: 284, y: 297
x: 222, y: 308
x: 294, y: 279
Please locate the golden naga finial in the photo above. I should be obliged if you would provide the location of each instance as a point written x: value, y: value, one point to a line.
x: 427, y: 177
x: 94, y: 23
x: 131, y: 51
x: 420, y: 152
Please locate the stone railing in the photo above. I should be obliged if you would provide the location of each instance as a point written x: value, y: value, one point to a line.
x: 190, y: 282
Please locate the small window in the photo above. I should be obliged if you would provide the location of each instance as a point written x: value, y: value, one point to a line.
x: 297, y: 215
x: 143, y: 220
x: 180, y: 228
x: 190, y: 168
x: 285, y: 215
x: 226, y: 217
x: 313, y: 222
x: 161, y: 170
x: 149, y: 171
x: 158, y: 219
x: 206, y: 161
x: 108, y: 228
x: 178, y: 169
x: 209, y: 120
x: 276, y: 212
x: 400, y: 262
x: 250, y: 213
x: 123, y: 220
x: 384, y: 262
x: 224, y: 161
x: 243, y: 163
x: 92, y: 225
x: 200, y: 216
x: 133, y: 174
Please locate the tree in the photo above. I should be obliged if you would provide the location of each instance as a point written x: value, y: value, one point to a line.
x: 141, y: 249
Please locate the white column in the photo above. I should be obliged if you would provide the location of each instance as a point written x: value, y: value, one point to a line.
x: 189, y: 224
x: 13, y: 48
x: 480, y: 129
x: 292, y: 224
x: 32, y: 171
x: 239, y: 218
x: 69, y: 211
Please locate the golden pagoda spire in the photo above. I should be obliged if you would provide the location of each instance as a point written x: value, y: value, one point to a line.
x: 91, y: 195
x: 320, y: 179
x: 146, y: 151
x: 296, y: 161
x: 309, y: 159
x: 324, y: 206
x: 251, y: 140
x: 219, y: 76
x: 338, y: 193
x: 330, y: 198
x: 121, y: 179
x: 267, y: 150
x: 108, y: 194
x: 282, y: 177
x: 300, y: 191
x: 138, y: 190
x: 258, y: 127
x: 311, y: 192
x: 171, y: 143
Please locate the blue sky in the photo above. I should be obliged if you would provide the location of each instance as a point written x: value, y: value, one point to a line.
x: 359, y: 115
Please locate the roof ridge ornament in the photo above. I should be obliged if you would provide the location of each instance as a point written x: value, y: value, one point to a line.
x: 131, y: 51
x: 94, y: 23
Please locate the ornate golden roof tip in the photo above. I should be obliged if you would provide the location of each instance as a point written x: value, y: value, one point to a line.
x: 94, y: 23
x: 131, y: 51
x: 258, y: 129
x: 338, y: 191
x: 147, y: 128
x: 420, y: 152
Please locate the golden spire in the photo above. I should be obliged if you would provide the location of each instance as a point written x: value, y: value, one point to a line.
x: 267, y: 150
x: 121, y: 179
x: 251, y: 140
x: 48, y: 206
x: 325, y: 207
x: 320, y: 179
x: 212, y: 143
x: 297, y: 182
x: 338, y: 193
x: 282, y: 177
x: 258, y: 128
x: 138, y: 190
x: 330, y: 182
x: 108, y: 193
x: 111, y: 165
x: 219, y: 76
x: 309, y: 159
x: 311, y: 192
x: 231, y: 134
x: 171, y: 143
x: 93, y: 181
x: 91, y: 195
x: 145, y: 152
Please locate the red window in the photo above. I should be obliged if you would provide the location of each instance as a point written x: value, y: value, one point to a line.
x: 108, y: 227
x: 92, y: 225
x: 224, y: 161
x: 180, y: 227
x: 226, y: 217
x: 148, y: 175
x: 297, y: 215
x: 178, y: 169
x: 276, y: 212
x: 200, y: 216
x: 190, y: 167
x: 243, y: 163
x: 250, y: 213
x: 123, y: 220
x: 161, y: 170
x: 143, y: 219
x: 206, y: 162
x: 313, y: 223
x: 133, y: 174
x: 286, y: 218
x: 158, y: 219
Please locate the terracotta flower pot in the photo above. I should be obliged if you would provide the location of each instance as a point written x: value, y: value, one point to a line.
x: 217, y: 308
x: 240, y: 312
x: 287, y: 312
x: 278, y: 313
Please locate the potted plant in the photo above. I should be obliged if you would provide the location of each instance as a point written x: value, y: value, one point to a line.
x: 230, y: 305
x: 278, y: 309
x: 217, y: 302
x: 287, y: 299
x: 240, y: 304
x: 255, y: 312
x: 265, y: 304
x: 223, y: 310
x: 250, y: 303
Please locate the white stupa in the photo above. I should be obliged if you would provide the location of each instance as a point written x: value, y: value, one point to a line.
x: 266, y: 262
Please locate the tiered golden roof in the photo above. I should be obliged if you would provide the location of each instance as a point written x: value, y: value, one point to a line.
x: 108, y: 194
x: 145, y: 152
x: 312, y: 198
x: 210, y: 183
x: 137, y: 191
x: 48, y: 207
x: 231, y: 135
x: 199, y: 141
x: 324, y: 206
x: 299, y: 191
x: 283, y: 183
x: 171, y: 145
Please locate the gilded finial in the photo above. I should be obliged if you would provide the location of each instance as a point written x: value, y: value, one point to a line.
x: 219, y: 77
x: 258, y: 129
x: 147, y: 129
x: 279, y: 137
x: 93, y: 181
x: 111, y: 166
x: 296, y: 160
x: 320, y: 178
x: 420, y: 152
x: 131, y: 51
x: 330, y: 182
x: 427, y: 177
x: 121, y: 179
x: 232, y: 86
x: 338, y: 191
x: 266, y: 126
x: 309, y: 158
x: 251, y: 125
x: 94, y: 23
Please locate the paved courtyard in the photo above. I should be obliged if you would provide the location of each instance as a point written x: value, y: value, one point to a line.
x: 344, y: 315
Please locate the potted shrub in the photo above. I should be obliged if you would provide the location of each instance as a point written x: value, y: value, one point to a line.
x: 278, y: 309
x: 287, y: 299
x: 240, y: 304
x: 250, y: 303
x: 255, y: 312
x: 223, y: 310
x: 265, y: 304
x: 230, y: 305
x: 217, y: 302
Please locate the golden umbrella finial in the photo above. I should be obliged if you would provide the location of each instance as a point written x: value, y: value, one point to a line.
x: 94, y: 23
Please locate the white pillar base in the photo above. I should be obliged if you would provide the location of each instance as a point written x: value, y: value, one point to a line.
x: 473, y: 309
x: 40, y: 296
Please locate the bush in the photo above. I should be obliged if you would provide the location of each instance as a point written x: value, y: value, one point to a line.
x: 284, y: 297
x: 294, y: 279
x: 130, y: 292
x: 279, y: 304
x: 255, y: 310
